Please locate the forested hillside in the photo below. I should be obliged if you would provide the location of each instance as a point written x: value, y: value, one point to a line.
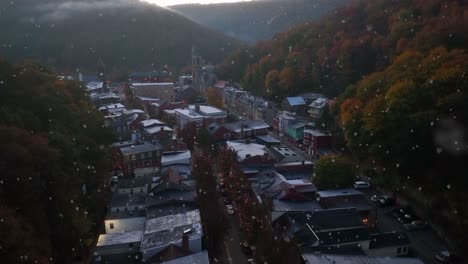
x: 257, y: 20
x: 53, y: 165
x: 347, y: 45
x: 126, y: 34
x: 410, y: 121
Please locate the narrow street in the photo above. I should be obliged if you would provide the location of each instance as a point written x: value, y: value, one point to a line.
x: 232, y: 252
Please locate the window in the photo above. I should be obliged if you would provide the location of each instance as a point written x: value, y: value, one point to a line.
x: 150, y: 154
x: 130, y: 245
x: 398, y: 251
x: 111, y: 225
x: 133, y: 157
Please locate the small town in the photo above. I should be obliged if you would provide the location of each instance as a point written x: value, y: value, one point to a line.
x: 233, y: 131
x: 205, y: 172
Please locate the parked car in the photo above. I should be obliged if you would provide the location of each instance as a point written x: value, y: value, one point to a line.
x: 230, y: 209
x: 361, y: 185
x: 251, y: 261
x: 115, y: 179
x: 445, y: 256
x: 226, y: 200
x: 405, y: 215
x: 386, y: 201
x: 376, y: 197
x: 415, y: 225
x: 246, y: 248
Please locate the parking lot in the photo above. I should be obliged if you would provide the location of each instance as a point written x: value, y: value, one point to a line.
x: 425, y: 243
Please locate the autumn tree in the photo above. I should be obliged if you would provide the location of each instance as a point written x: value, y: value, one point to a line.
x: 333, y: 172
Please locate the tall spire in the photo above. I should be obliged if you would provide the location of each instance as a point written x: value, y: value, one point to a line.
x: 102, y: 75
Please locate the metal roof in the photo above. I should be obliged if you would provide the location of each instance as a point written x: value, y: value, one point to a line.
x: 294, y: 101
x: 119, y: 238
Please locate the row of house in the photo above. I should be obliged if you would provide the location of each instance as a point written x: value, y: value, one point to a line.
x: 247, y: 105
x: 153, y: 216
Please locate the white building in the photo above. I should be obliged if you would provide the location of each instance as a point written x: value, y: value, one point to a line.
x: 198, y: 114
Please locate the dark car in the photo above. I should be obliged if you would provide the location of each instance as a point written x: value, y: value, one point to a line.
x: 415, y: 225
x: 405, y: 215
x: 447, y: 257
x: 385, y: 201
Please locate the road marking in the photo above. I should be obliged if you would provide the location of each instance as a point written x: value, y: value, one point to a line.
x: 228, y: 252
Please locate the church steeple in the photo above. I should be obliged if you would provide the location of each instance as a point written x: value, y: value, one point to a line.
x: 102, y: 75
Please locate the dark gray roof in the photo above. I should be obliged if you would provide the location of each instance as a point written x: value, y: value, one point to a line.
x: 268, y: 139
x: 121, y: 258
x: 129, y: 200
x: 389, y: 239
x: 134, y: 182
x: 349, y: 198
x: 125, y: 214
x: 140, y: 148
x: 248, y: 125
x: 171, y: 208
x: 353, y: 259
x: 291, y: 206
x: 167, y: 196
x: 197, y: 258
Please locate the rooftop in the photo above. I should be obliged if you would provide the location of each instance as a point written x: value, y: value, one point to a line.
x: 290, y: 206
x: 319, y: 103
x: 344, y: 199
x: 156, y: 129
x: 314, y: 132
x: 244, y: 150
x: 170, y: 236
x: 125, y: 214
x: 209, y: 110
x: 197, y: 258
x: 246, y: 125
x: 94, y: 85
x: 127, y: 200
x: 140, y: 148
x: 112, y: 106
x: 389, y: 239
x: 296, y: 101
x: 151, y: 122
x: 172, y: 158
x: 171, y: 208
x: 337, y: 193
x: 170, y: 222
x: 353, y: 259
x: 152, y: 84
x: 119, y: 238
x: 133, y: 182
x: 145, y: 98
x: 269, y: 139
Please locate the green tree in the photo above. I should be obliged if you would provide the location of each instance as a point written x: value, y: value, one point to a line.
x: 333, y: 172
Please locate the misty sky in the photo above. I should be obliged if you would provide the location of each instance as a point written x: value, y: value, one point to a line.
x: 177, y: 2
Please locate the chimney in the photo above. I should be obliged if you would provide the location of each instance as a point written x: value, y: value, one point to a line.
x: 185, y: 242
x: 197, y: 108
x: 162, y: 129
